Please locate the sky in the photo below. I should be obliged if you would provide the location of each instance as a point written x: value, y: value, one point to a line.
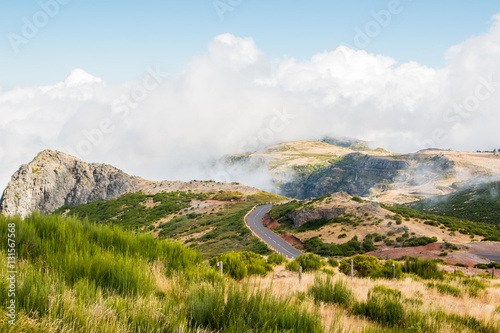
x: 163, y: 89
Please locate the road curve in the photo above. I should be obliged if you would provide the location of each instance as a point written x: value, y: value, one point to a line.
x: 254, y: 222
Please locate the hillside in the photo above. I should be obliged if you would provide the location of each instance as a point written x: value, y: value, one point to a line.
x: 341, y: 225
x: 210, y: 222
x: 54, y: 179
x: 307, y: 169
x: 112, y: 281
x: 480, y: 203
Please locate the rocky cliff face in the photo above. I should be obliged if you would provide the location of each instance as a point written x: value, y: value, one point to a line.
x: 355, y: 174
x: 300, y: 217
x: 54, y: 179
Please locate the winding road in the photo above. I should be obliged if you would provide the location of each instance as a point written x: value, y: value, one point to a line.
x: 254, y: 222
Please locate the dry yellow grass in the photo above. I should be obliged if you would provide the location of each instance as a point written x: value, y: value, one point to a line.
x: 338, y: 319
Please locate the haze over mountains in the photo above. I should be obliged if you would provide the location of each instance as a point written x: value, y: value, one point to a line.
x: 300, y: 169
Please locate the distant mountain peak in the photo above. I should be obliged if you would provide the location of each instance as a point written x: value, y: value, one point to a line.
x: 53, y: 179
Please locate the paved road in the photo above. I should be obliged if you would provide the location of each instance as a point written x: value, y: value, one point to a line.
x: 254, y: 222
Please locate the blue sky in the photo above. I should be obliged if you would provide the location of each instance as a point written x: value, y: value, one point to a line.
x: 403, y: 75
x: 116, y: 40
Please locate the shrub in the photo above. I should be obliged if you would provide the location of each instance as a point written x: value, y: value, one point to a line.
x: 388, y: 241
x: 232, y: 265
x: 357, y: 199
x: 333, y: 262
x: 368, y: 244
x: 386, y: 270
x: 363, y: 265
x: 276, y: 259
x: 324, y: 291
x: 309, y: 262
x: 240, y: 264
x: 384, y: 306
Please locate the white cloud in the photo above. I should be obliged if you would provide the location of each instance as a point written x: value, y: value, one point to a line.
x: 232, y: 99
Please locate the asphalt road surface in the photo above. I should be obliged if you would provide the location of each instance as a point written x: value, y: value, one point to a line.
x: 254, y: 222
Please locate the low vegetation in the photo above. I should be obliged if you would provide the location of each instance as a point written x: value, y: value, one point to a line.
x: 78, y: 276
x: 452, y: 224
x: 172, y: 215
x: 478, y: 204
x: 75, y: 275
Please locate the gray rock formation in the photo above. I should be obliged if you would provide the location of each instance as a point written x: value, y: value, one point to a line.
x: 54, y: 179
x: 302, y: 216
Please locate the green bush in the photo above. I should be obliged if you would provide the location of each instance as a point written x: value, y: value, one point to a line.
x: 386, y: 270
x: 240, y: 264
x: 333, y: 262
x: 231, y: 264
x: 363, y: 265
x: 368, y: 243
x: 323, y: 290
x: 276, y: 259
x: 384, y: 306
x: 309, y: 262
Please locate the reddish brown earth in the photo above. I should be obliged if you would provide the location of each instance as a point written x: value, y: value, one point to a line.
x: 269, y: 222
x: 468, y: 257
x: 292, y: 240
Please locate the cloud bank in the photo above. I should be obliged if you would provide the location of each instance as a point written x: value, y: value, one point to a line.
x: 234, y: 99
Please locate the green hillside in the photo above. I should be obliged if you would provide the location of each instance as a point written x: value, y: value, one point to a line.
x: 176, y: 215
x: 480, y: 204
x: 76, y: 276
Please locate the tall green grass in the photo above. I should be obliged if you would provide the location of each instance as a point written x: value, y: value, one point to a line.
x: 241, y: 309
x: 323, y: 290
x: 76, y: 276
x: 425, y: 268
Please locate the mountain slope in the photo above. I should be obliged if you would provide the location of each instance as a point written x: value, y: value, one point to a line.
x: 341, y: 225
x: 480, y: 203
x: 209, y: 222
x: 305, y: 169
x: 54, y: 179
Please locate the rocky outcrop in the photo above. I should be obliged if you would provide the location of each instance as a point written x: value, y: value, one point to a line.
x: 54, y: 179
x: 302, y: 216
x: 354, y: 173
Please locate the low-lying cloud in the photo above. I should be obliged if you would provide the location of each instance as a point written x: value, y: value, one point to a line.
x: 235, y: 99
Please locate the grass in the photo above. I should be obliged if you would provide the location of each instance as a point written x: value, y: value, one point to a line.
x: 323, y: 290
x: 235, y: 309
x: 75, y: 275
x: 119, y: 281
x: 445, y: 288
x: 224, y: 229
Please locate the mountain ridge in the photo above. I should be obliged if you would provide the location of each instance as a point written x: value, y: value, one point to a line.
x: 53, y: 179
